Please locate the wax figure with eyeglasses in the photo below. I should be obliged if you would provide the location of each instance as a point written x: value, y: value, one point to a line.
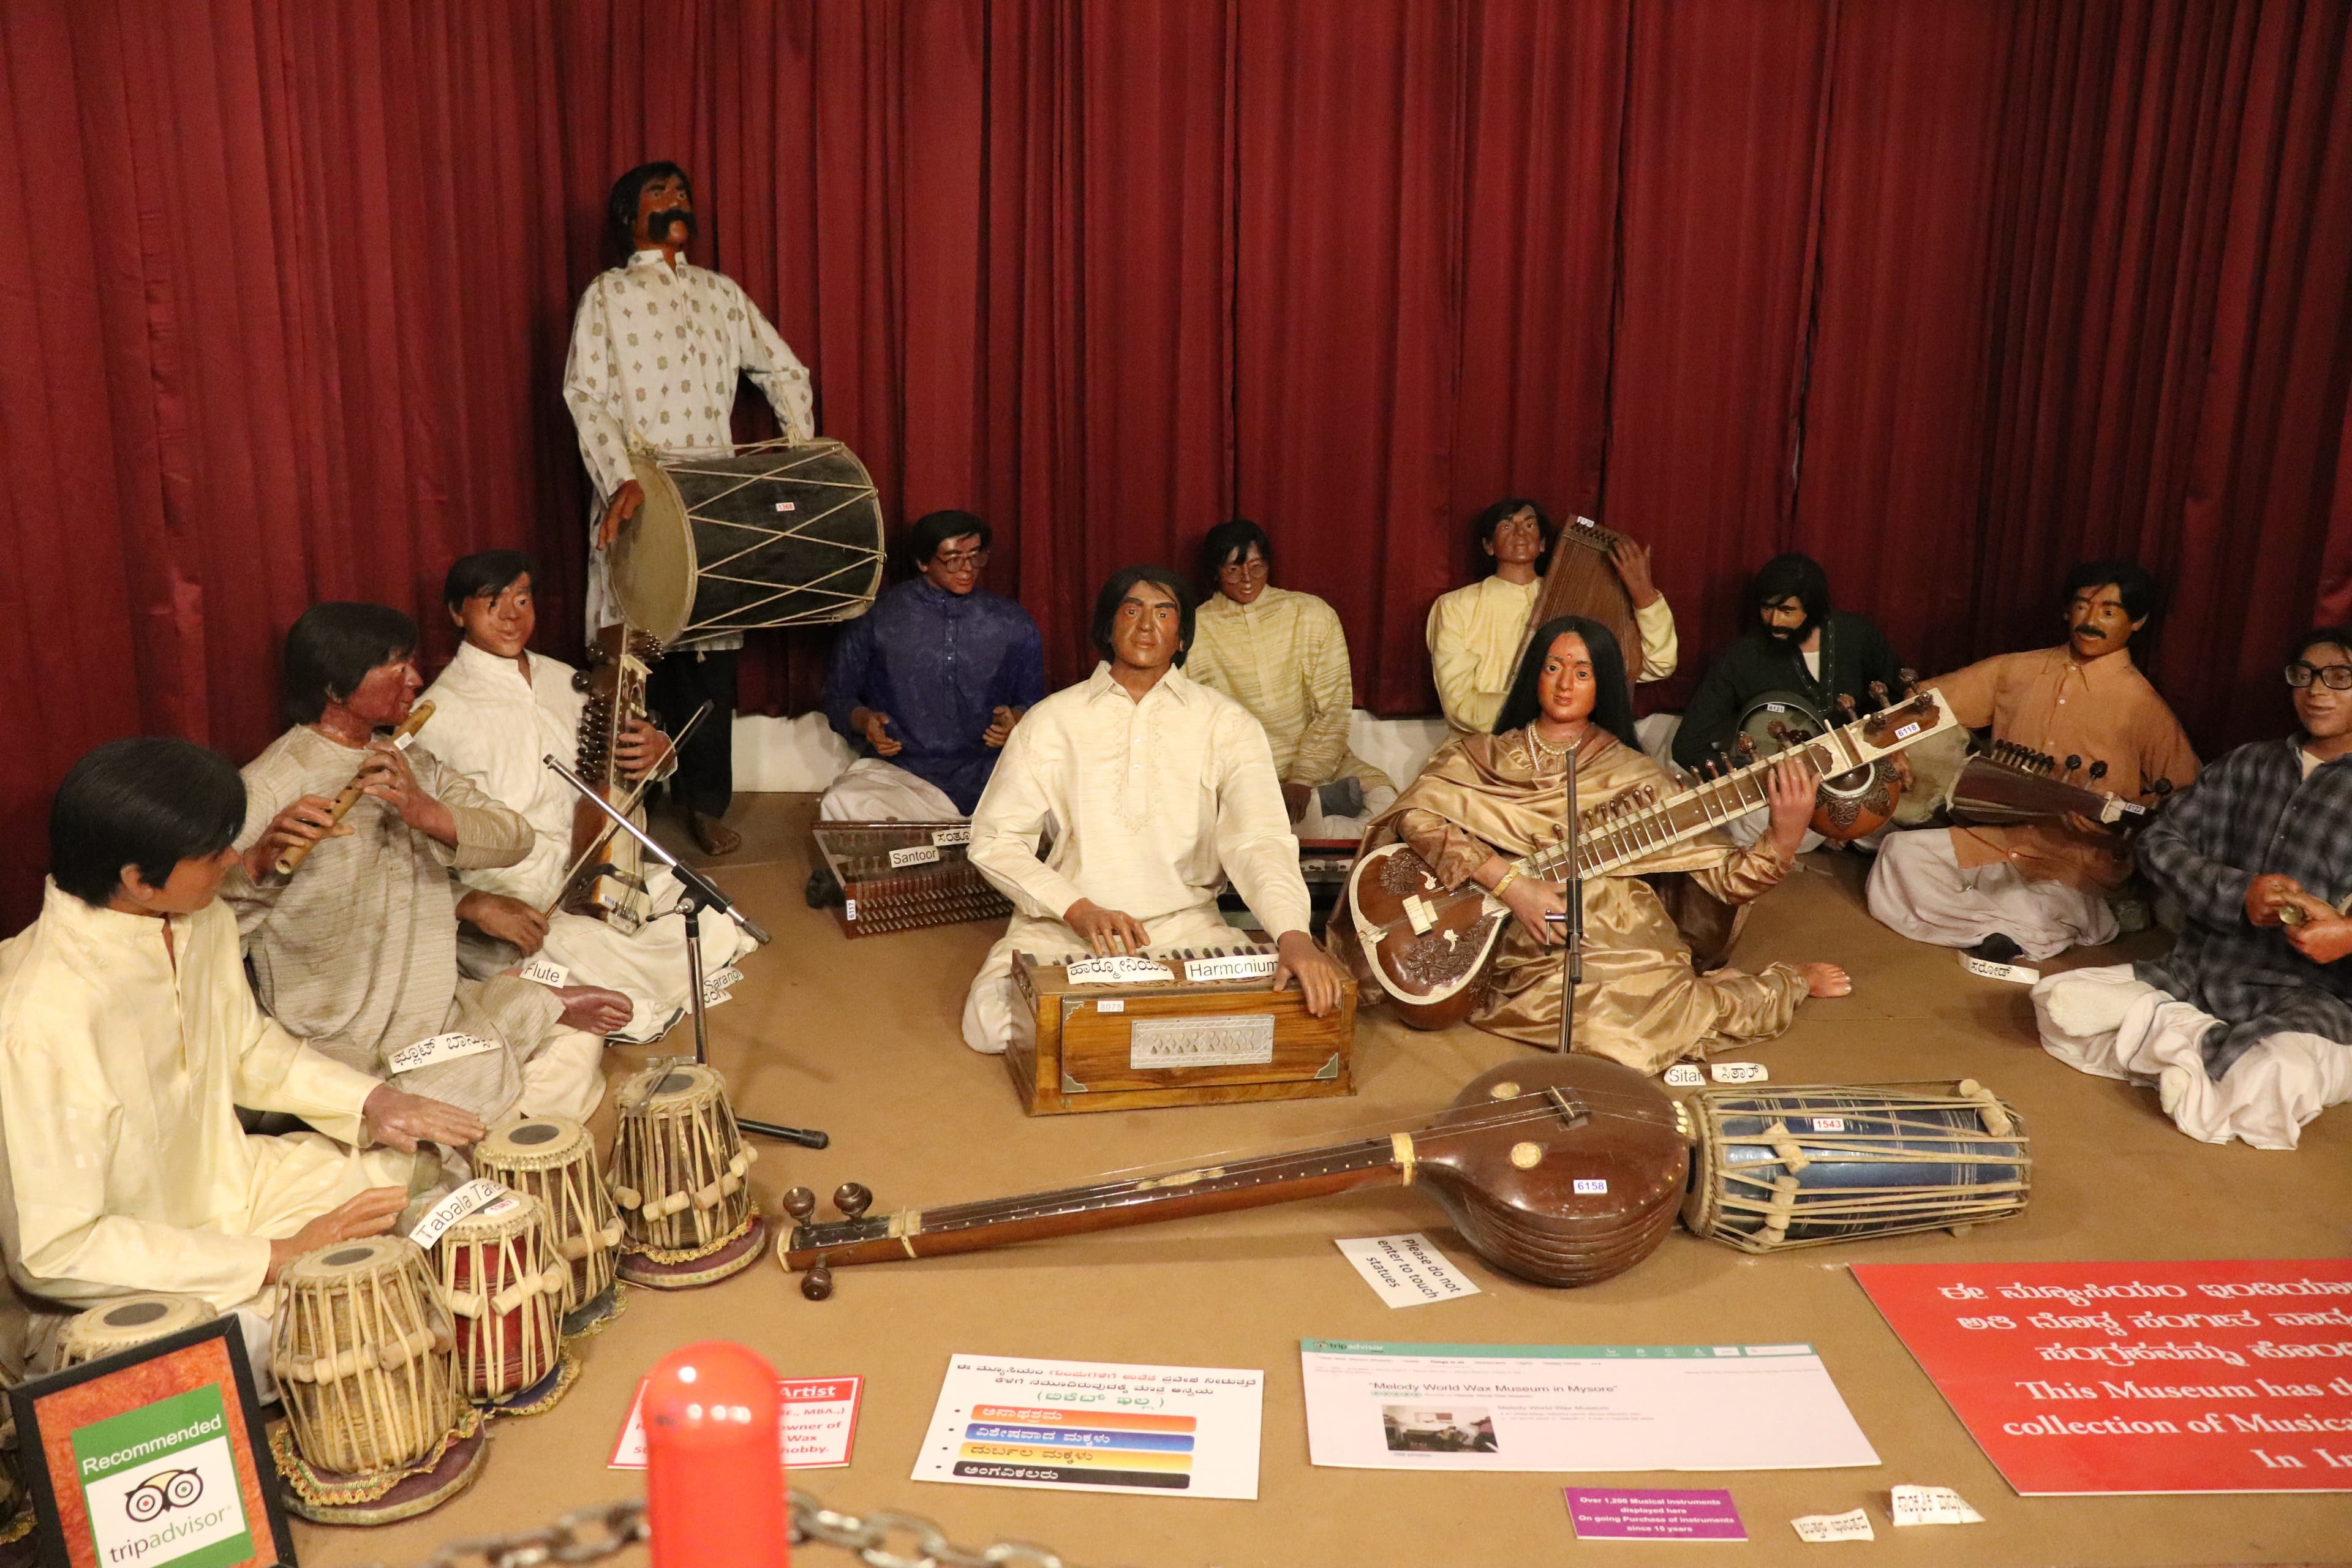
x: 128, y: 1040
x: 497, y: 710
x: 356, y: 949
x: 2038, y: 888
x: 1159, y: 790
x: 1476, y: 633
x: 2245, y: 1026
x: 1283, y: 656
x: 930, y: 683
x: 1484, y: 801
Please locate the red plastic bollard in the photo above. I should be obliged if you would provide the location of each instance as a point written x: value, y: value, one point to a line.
x: 714, y: 1460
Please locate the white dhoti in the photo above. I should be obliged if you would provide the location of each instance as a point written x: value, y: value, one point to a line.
x: 1919, y: 888
x: 648, y: 967
x: 2104, y: 1021
x: 565, y: 1077
x: 871, y: 790
x: 989, y: 1008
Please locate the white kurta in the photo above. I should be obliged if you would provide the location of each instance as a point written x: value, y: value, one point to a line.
x: 656, y: 351
x: 493, y: 728
x: 124, y: 1168
x: 1474, y: 647
x: 1154, y: 806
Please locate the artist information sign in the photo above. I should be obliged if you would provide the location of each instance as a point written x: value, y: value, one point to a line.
x: 2223, y: 1376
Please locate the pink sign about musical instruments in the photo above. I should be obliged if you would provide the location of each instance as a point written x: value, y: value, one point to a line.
x: 2223, y: 1376
x: 1610, y: 1513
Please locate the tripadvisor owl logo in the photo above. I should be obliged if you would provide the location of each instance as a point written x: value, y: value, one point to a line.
x: 160, y: 1486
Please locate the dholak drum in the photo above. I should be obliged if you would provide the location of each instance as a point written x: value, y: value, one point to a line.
x: 362, y: 1358
x: 1798, y: 1167
x: 128, y: 1324
x: 504, y: 1285
x: 679, y: 1174
x: 776, y: 535
x: 553, y: 1159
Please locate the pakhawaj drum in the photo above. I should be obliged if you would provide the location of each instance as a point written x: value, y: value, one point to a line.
x: 553, y: 1159
x: 680, y: 1177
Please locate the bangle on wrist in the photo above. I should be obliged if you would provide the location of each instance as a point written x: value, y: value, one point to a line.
x: 1509, y: 876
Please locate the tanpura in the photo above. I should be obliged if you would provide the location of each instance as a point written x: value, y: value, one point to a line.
x: 608, y: 880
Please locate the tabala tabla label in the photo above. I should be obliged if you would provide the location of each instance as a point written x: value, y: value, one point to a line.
x: 1236, y: 1041
x: 478, y: 1193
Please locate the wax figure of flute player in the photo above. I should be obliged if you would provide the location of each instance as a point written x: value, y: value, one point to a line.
x: 1159, y: 790
x: 128, y: 1040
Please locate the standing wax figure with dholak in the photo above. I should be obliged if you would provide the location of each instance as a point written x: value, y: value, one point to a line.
x: 1484, y: 800
x: 356, y: 949
x: 656, y: 346
x: 1158, y: 790
x: 498, y: 709
x: 1283, y: 656
x: 1477, y: 634
x: 128, y: 1040
x: 2037, y: 889
x: 929, y: 684
x: 2245, y: 1026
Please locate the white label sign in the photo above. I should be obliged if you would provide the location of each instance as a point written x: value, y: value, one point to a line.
x: 1406, y: 1270
x: 1684, y: 1075
x: 478, y: 1193
x: 1591, y: 1186
x: 546, y: 972
x: 1111, y: 1005
x: 849, y: 909
x: 1241, y: 1041
x: 1121, y: 971
x: 959, y: 833
x: 1931, y: 1505
x: 1829, y: 1124
x: 1853, y: 1526
x: 1231, y: 967
x: 715, y: 987
x: 914, y: 855
x: 1740, y: 1072
x: 449, y: 1047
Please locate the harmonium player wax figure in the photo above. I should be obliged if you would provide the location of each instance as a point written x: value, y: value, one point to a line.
x: 129, y: 1039
x: 355, y: 948
x: 497, y: 710
x: 1159, y: 790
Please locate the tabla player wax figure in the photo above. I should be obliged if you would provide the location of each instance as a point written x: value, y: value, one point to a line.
x: 930, y: 683
x: 356, y: 949
x: 1283, y: 656
x: 2038, y: 888
x: 1474, y: 632
x: 1485, y: 800
x: 128, y: 1040
x: 1158, y: 791
x: 656, y: 346
x: 2245, y: 1026
x: 498, y: 709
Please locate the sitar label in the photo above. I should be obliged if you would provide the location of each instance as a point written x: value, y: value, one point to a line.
x: 1740, y: 1072
x: 1240, y: 1041
x: 914, y: 855
x: 1682, y: 1075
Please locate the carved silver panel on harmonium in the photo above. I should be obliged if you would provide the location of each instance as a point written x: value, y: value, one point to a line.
x: 1202, y: 1026
x: 900, y: 876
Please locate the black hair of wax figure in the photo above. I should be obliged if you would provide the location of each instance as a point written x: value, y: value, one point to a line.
x: 621, y: 207
x: 486, y: 573
x: 1792, y: 575
x: 1494, y: 517
x: 2340, y: 637
x: 934, y: 529
x: 2134, y: 586
x: 1114, y: 593
x: 1230, y: 542
x: 1612, y: 699
x: 149, y: 801
x: 330, y: 649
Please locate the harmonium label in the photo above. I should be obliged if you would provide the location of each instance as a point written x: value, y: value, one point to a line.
x: 1240, y: 1041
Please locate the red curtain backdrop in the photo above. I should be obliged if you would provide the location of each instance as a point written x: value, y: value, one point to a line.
x: 1948, y: 292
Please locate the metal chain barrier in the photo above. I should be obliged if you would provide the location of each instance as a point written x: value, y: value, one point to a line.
x: 592, y: 1534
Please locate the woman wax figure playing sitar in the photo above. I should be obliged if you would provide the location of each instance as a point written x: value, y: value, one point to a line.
x: 1485, y: 800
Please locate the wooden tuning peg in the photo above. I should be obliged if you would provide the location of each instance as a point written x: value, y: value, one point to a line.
x: 1908, y: 677
x: 1845, y: 706
x: 1747, y: 748
x: 817, y: 1283
x: 853, y: 1199
x: 1780, y: 731
x: 1878, y: 692
x: 800, y: 1203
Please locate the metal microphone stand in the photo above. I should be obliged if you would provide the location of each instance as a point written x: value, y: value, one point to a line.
x: 1571, y: 919
x: 698, y: 893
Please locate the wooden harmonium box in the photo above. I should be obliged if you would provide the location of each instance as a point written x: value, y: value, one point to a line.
x: 1196, y: 1027
x: 899, y: 875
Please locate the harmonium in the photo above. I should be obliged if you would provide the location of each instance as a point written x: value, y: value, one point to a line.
x: 900, y: 876
x: 1196, y: 1027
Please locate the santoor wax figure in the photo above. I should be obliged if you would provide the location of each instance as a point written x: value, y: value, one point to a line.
x: 1158, y: 791
x: 1283, y: 656
x: 2038, y: 888
x: 128, y: 1040
x: 1485, y: 800
x: 657, y: 344
x: 497, y: 710
x: 356, y: 949
x: 1474, y: 632
x: 929, y: 684
x: 2245, y: 1026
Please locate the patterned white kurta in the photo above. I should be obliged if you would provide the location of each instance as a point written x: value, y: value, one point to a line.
x: 656, y: 351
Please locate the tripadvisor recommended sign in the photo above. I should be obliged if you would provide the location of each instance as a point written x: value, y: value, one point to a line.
x: 160, y: 1486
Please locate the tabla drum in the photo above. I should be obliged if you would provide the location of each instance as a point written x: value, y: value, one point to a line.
x: 127, y: 1324
x: 680, y: 1177
x: 504, y: 1287
x: 553, y: 1159
x: 1802, y: 1167
x: 777, y: 534
x: 1846, y: 806
x: 363, y: 1348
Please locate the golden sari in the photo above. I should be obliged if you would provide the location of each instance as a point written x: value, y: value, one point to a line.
x: 1640, y: 1002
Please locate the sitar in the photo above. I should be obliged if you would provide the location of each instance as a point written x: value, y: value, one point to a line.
x: 1564, y: 1171
x: 1430, y: 946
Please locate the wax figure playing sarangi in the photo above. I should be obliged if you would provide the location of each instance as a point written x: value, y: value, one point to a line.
x: 1485, y: 799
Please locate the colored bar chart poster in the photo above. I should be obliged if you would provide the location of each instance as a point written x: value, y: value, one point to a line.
x: 1097, y: 1427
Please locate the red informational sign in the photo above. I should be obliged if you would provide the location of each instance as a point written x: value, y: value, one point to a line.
x: 2226, y: 1377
